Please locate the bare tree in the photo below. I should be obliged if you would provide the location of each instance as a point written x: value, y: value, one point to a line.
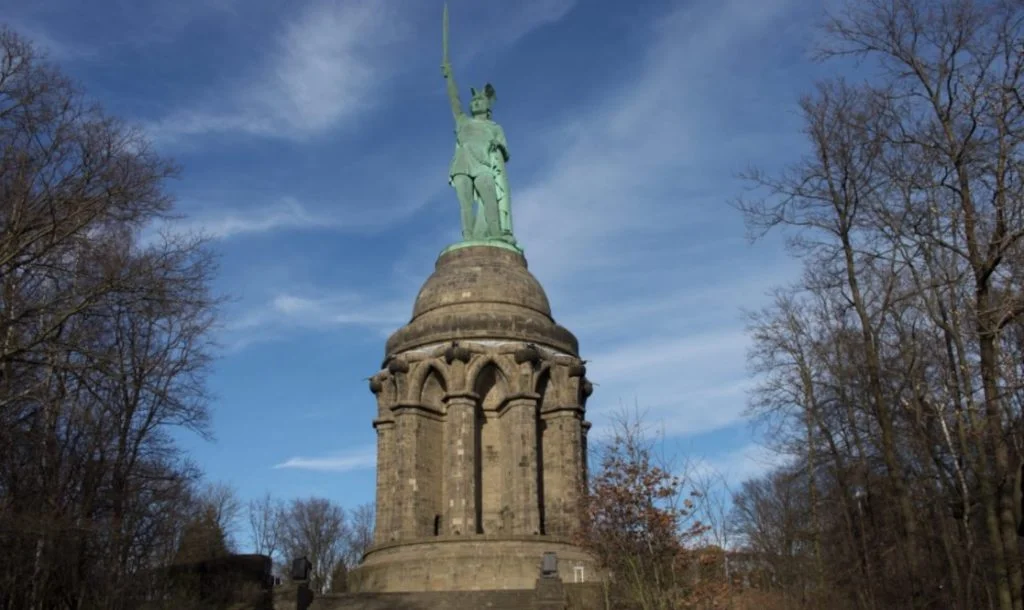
x: 954, y: 72
x: 221, y: 500
x: 890, y: 373
x: 316, y: 528
x: 361, y: 522
x: 104, y: 347
x: 266, y: 525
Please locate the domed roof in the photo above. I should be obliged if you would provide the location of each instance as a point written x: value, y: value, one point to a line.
x: 481, y: 274
x: 481, y: 292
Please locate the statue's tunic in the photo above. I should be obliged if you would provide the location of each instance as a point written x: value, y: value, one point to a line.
x: 474, y: 141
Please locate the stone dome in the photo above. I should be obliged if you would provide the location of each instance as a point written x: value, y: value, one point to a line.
x: 481, y: 292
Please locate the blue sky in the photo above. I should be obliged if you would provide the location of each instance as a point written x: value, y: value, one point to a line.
x: 315, y: 137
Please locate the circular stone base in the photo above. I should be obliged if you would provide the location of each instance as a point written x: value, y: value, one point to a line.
x: 491, y: 243
x: 455, y: 563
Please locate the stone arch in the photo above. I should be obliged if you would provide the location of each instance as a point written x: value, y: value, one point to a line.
x: 432, y: 388
x: 480, y: 366
x: 491, y: 384
x: 422, y: 375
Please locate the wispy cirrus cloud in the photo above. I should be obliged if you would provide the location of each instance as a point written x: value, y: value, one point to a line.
x: 321, y: 71
x: 288, y: 213
x: 636, y: 163
x: 327, y: 65
x: 501, y: 24
x: 354, y: 214
x: 361, y: 458
x: 747, y: 462
x: 70, y: 34
x: 50, y: 46
x: 287, y: 312
x: 629, y: 223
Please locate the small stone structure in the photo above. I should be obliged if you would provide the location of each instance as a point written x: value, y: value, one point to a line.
x: 481, y: 436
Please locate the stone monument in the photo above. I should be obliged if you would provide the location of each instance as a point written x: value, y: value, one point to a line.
x: 481, y: 435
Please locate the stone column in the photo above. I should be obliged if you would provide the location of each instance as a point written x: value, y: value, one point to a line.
x: 384, y: 525
x: 460, y: 464
x: 583, y: 474
x: 406, y: 488
x: 521, y: 443
x: 383, y: 388
x: 562, y: 454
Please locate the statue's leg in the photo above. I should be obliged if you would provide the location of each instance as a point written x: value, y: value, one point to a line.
x: 464, y: 189
x: 489, y: 198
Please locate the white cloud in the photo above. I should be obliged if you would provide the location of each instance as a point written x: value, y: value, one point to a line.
x: 286, y: 214
x: 627, y: 224
x: 654, y: 358
x: 328, y: 65
x: 321, y: 71
x: 284, y: 313
x: 335, y: 310
x: 59, y: 28
x: 358, y: 459
x: 628, y: 166
x: 681, y: 357
x: 51, y: 47
x: 749, y: 461
x: 685, y: 401
x: 208, y: 218
x: 501, y: 23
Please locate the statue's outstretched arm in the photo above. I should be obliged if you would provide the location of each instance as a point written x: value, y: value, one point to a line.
x: 453, y: 90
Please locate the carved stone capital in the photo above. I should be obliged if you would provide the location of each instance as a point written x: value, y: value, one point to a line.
x: 383, y: 424
x: 562, y: 411
x: 456, y: 352
x: 406, y: 408
x: 471, y: 398
x: 520, y: 399
x: 377, y: 382
x: 398, y: 366
x: 527, y: 353
x: 578, y: 369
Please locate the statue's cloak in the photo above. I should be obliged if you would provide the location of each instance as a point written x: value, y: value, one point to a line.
x: 497, y: 163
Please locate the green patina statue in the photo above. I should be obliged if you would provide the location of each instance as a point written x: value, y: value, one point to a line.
x: 477, y: 171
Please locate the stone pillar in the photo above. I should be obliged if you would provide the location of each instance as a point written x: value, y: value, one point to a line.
x: 406, y: 490
x: 460, y: 464
x: 584, y: 475
x: 521, y: 452
x: 384, y: 525
x: 383, y: 387
x: 563, y: 469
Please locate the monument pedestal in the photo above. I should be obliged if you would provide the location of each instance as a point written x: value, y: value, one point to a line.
x: 465, y: 564
x: 481, y: 435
